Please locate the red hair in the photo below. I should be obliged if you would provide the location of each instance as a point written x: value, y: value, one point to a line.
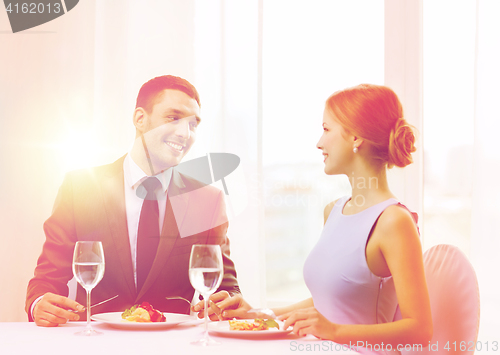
x: 375, y: 114
x: 151, y: 90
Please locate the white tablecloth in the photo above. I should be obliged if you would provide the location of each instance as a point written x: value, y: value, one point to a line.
x: 26, y: 338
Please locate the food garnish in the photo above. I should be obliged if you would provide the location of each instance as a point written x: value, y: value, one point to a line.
x: 257, y: 324
x: 143, y: 313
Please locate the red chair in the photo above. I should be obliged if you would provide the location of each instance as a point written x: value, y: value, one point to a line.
x: 454, y: 297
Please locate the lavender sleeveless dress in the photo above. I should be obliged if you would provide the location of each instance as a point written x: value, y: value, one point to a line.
x: 343, y: 288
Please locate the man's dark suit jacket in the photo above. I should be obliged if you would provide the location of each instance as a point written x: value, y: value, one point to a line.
x: 91, y: 206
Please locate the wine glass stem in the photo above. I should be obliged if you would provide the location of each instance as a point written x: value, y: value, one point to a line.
x: 205, y: 298
x: 88, y: 311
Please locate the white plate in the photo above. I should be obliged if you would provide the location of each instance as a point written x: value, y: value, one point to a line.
x: 114, y: 319
x: 222, y: 328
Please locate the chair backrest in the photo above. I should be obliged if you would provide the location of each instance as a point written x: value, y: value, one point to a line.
x: 454, y: 297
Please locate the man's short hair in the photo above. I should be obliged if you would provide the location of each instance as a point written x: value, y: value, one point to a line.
x: 149, y: 91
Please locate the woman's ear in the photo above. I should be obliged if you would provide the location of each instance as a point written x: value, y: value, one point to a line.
x: 358, y: 141
x: 140, y: 118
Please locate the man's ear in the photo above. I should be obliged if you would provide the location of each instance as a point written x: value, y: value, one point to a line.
x: 140, y: 119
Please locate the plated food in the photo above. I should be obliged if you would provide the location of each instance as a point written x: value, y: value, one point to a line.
x: 115, y: 320
x: 255, y: 325
x: 224, y: 328
x: 143, y: 313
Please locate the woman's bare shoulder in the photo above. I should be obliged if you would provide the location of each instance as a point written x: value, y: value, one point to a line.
x: 396, y: 215
x: 397, y: 223
x: 328, y: 209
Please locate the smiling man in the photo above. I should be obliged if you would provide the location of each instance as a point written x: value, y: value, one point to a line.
x: 166, y: 122
x: 135, y: 207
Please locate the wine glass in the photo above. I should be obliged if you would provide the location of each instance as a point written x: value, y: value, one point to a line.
x: 88, y: 269
x: 205, y: 275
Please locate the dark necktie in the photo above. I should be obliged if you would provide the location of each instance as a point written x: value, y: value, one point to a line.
x: 148, y: 233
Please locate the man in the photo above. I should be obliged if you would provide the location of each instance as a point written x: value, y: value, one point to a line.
x: 126, y: 205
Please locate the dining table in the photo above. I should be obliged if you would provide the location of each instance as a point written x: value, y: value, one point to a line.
x: 28, y: 338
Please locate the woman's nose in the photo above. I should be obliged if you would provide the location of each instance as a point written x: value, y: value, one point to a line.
x: 319, y: 145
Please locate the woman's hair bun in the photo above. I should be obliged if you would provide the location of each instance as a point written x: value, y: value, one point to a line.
x: 401, y: 144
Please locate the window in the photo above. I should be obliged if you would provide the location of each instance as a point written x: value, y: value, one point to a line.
x: 309, y: 51
x: 448, y: 134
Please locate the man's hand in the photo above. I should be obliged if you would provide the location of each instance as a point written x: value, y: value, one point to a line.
x: 222, y: 306
x: 52, y: 310
x: 214, y: 311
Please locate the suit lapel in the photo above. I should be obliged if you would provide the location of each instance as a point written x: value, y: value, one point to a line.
x: 114, y: 203
x: 175, y: 211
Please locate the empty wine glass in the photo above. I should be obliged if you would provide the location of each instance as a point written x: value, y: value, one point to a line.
x: 205, y: 274
x: 88, y: 269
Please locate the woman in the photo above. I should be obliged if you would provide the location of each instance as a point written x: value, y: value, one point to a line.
x: 368, y: 259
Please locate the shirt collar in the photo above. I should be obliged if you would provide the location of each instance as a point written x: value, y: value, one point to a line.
x: 134, y: 175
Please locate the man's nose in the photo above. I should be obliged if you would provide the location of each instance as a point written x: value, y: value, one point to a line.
x: 182, y: 129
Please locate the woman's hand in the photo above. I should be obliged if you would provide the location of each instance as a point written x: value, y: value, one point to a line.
x: 309, y: 321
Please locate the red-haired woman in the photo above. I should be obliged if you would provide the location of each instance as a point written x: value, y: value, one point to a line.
x: 368, y: 259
